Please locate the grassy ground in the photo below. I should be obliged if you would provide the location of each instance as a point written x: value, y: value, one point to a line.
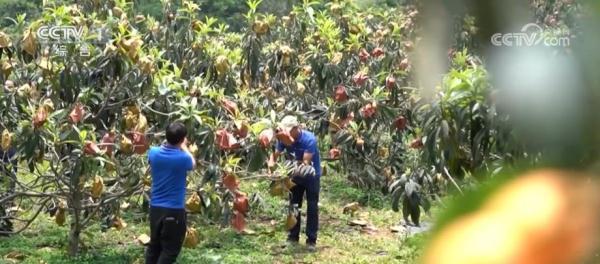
x: 45, y: 242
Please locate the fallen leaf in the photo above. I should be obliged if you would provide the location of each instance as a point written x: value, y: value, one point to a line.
x: 143, y: 239
x: 15, y: 255
x: 248, y: 232
x: 396, y: 229
x: 351, y: 208
x: 358, y: 223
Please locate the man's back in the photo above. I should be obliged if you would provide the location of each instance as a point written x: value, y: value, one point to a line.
x: 169, y: 166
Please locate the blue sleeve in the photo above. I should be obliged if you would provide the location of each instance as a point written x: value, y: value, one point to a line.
x: 188, y: 162
x: 311, y: 146
x: 279, y: 146
x: 150, y: 155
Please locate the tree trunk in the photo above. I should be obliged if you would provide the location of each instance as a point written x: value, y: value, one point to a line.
x: 75, y: 223
x: 75, y: 209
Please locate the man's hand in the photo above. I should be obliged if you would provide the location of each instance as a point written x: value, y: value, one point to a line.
x: 271, y: 162
x: 184, y: 147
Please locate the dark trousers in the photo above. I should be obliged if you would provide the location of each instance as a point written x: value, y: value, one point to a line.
x: 311, y: 186
x: 167, y: 231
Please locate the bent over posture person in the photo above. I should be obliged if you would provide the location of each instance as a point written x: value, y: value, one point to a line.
x: 169, y: 165
x: 305, y: 151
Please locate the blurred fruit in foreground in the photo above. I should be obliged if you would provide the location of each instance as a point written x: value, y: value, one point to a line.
x: 545, y: 216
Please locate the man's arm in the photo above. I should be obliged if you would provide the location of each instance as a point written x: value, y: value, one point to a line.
x: 185, y: 148
x: 273, y: 159
x: 310, y: 150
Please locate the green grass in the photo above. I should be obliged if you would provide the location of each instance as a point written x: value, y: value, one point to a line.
x: 45, y: 242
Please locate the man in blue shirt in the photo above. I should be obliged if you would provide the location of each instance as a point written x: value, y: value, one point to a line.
x: 305, y: 151
x: 169, y: 165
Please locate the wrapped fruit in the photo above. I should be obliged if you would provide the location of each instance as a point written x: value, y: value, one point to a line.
x: 417, y: 143
x: 377, y: 52
x: 226, y: 140
x: 107, y: 143
x: 265, y: 137
x: 360, y: 79
x: 222, y: 65
x: 290, y: 221
x: 260, y: 27
x: 340, y: 94
x: 360, y: 143
x: 40, y: 117
x: 131, y: 47
x: 5, y: 41
x: 238, y: 221
x: 140, y: 145
x: 368, y: 110
x: 118, y: 223
x: 240, y: 203
x: 142, y: 124
x: 390, y: 82
x: 241, y: 129
x: 6, y: 139
x: 29, y: 44
x: 230, y: 106
x: 191, y: 238
x: 364, y: 55
x: 146, y: 65
x: 90, y: 148
x: 97, y: 187
x: 400, y: 123
x: 230, y: 181
x: 60, y: 217
x: 334, y: 153
x: 77, y: 113
x: 126, y: 146
x: 193, y: 203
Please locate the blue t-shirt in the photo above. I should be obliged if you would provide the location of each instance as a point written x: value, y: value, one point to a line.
x: 169, y: 166
x: 306, y: 143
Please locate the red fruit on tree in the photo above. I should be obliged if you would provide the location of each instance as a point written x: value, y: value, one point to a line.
x: 265, y: 138
x: 340, y: 95
x: 77, y: 113
x: 390, y: 82
x: 364, y: 55
x: 360, y: 79
x: 377, y: 52
x: 400, y: 123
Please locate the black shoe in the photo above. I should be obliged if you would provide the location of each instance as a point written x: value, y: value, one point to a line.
x: 311, y: 247
x: 290, y: 243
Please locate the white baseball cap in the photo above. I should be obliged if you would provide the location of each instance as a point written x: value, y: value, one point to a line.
x: 288, y: 122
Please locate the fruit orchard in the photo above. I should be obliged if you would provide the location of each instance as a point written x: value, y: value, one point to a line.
x: 76, y: 128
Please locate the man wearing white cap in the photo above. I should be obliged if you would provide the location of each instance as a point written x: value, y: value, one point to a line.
x: 305, y: 150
